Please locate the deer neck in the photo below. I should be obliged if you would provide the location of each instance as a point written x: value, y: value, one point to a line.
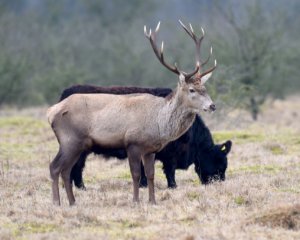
x: 175, y: 118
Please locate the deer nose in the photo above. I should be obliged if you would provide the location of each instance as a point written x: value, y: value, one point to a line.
x: 212, y: 107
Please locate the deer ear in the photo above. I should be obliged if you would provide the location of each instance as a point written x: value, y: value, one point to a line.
x: 205, y: 78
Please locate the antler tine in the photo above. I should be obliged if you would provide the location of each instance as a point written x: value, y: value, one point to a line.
x: 159, y: 53
x: 197, y: 41
x: 191, y: 27
x: 203, y: 33
x: 189, y: 75
x: 209, y: 70
x: 157, y: 27
x: 207, y: 60
x: 191, y: 34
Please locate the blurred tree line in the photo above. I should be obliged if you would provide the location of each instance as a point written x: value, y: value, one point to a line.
x: 49, y: 45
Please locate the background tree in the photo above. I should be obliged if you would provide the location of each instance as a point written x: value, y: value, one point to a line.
x: 255, y: 40
x: 49, y: 45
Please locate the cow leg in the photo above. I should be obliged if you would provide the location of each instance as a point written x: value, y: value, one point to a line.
x: 77, y: 170
x: 148, y: 161
x: 134, y: 158
x: 143, y: 179
x: 169, y: 170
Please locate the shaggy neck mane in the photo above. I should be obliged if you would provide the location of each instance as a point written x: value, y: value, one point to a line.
x: 174, y: 118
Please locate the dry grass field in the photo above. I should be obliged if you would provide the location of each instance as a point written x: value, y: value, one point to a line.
x: 260, y: 198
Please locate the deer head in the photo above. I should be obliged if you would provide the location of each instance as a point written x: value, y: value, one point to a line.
x: 191, y: 85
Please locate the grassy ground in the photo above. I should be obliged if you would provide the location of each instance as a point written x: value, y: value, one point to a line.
x: 259, y: 200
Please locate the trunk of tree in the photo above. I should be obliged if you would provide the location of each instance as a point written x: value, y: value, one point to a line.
x: 254, y: 108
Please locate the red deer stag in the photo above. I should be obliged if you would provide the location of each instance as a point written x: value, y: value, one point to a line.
x: 141, y: 123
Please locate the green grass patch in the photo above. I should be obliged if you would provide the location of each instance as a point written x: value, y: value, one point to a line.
x: 193, y: 195
x: 18, y: 122
x: 21, y: 137
x: 256, y: 169
x: 239, y: 200
x: 293, y: 144
x: 19, y: 230
x: 192, y: 181
x: 124, y: 175
x: 16, y: 151
x: 290, y: 190
x: 34, y: 227
x: 276, y: 149
x: 125, y: 223
x: 237, y: 136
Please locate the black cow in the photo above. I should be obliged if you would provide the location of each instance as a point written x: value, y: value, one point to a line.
x: 195, y: 146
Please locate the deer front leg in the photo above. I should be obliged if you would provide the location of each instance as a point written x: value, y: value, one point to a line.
x: 148, y: 161
x: 134, y: 158
x: 55, y: 169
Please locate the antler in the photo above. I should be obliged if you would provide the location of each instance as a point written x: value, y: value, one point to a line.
x: 160, y: 55
x: 198, y: 42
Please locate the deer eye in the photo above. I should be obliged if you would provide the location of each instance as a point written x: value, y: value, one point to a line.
x: 191, y: 90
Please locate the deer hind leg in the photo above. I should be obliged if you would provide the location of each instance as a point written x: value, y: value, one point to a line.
x: 134, y: 158
x: 65, y: 174
x: 62, y: 164
x: 55, y: 167
x: 148, y: 161
x: 69, y: 160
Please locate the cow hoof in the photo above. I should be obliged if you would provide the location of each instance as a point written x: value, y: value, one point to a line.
x: 143, y: 184
x: 172, y: 186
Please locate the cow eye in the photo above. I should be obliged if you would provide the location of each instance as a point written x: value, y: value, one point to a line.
x: 192, y: 90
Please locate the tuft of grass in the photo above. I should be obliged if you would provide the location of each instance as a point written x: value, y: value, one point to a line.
x: 275, y: 148
x: 193, y: 195
x: 188, y: 220
x: 239, y: 200
x: 287, y: 217
x: 130, y: 224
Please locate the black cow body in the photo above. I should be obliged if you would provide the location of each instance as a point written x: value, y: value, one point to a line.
x: 196, y: 146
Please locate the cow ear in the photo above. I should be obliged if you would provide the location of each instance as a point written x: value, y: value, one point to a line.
x: 226, y: 147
